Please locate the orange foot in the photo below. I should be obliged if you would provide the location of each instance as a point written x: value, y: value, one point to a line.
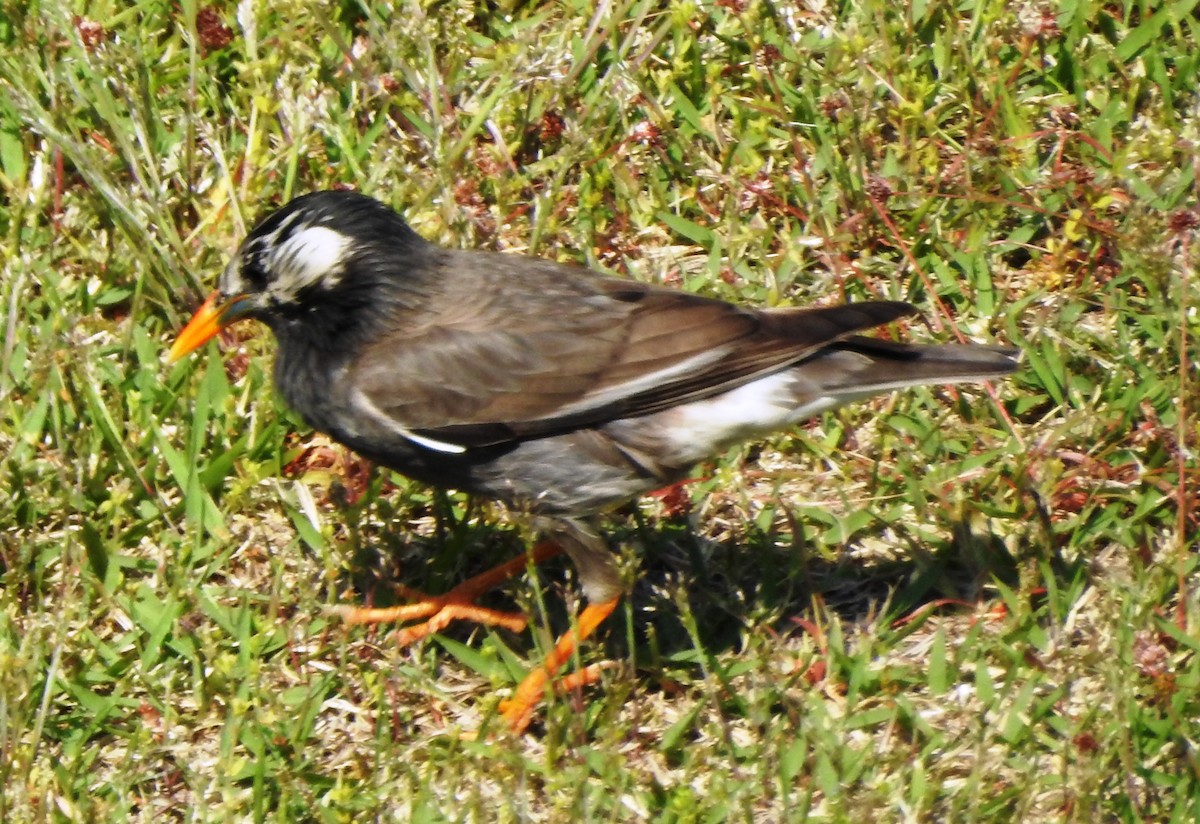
x: 456, y: 605
x: 518, y: 710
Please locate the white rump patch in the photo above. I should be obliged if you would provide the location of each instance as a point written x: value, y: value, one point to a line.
x: 700, y: 429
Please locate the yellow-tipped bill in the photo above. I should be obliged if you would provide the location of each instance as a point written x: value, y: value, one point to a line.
x: 213, y: 316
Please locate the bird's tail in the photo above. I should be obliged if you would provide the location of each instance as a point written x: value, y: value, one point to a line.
x: 865, y: 366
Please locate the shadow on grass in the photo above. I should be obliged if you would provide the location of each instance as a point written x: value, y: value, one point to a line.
x: 729, y: 585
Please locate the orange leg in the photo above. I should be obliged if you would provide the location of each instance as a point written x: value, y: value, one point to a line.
x: 585, y: 677
x: 456, y: 605
x: 518, y: 710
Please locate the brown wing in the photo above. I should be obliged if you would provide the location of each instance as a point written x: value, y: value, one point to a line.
x: 539, y: 347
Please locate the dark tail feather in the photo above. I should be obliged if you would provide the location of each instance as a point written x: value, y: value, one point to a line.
x: 883, y: 365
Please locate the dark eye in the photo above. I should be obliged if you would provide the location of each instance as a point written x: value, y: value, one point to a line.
x: 253, y: 273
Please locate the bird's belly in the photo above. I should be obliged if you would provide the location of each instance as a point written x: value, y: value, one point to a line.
x: 575, y: 474
x: 570, y: 475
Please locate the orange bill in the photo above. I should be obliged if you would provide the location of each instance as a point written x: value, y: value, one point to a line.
x: 213, y: 316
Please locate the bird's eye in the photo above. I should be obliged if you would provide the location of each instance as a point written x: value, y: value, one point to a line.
x: 253, y: 273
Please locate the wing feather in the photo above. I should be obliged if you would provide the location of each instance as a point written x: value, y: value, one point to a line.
x: 564, y: 348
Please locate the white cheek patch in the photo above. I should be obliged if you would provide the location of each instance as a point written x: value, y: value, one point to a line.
x: 309, y: 257
x: 231, y: 282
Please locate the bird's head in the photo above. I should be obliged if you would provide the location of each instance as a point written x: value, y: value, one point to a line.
x: 314, y: 262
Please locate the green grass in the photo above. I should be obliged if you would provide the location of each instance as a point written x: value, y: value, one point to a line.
x: 969, y: 605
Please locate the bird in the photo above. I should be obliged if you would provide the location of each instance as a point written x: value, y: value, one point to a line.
x: 557, y: 390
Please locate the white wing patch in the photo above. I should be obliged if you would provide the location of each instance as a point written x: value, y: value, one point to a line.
x: 645, y: 382
x: 359, y: 399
